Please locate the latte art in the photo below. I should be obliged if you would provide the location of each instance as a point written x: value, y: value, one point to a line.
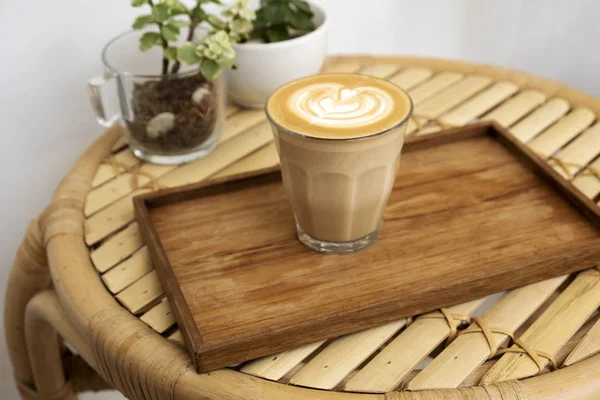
x: 339, y: 106
x: 334, y: 105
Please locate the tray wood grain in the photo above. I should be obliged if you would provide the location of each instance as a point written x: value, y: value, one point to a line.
x: 473, y: 212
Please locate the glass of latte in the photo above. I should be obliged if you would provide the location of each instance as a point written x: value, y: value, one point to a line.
x: 339, y: 138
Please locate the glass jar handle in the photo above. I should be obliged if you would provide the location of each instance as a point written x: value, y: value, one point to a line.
x: 95, y: 86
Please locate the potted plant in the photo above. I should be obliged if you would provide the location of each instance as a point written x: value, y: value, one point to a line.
x: 170, y: 94
x: 287, y: 42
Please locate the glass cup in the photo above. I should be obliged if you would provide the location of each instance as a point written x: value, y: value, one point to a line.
x: 338, y: 188
x: 167, y: 119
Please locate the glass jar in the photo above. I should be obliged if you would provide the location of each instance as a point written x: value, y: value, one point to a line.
x: 167, y: 118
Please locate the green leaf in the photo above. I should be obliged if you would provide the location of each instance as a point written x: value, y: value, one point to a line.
x: 210, y: 69
x: 179, y: 23
x: 200, y: 15
x: 200, y: 50
x: 259, y: 34
x: 278, y: 33
x: 216, y: 22
x: 171, y: 53
x: 138, y: 3
x: 142, y: 21
x: 261, y: 20
x: 275, y: 14
x: 149, y: 39
x: 177, y: 8
x: 240, y: 26
x: 186, y: 53
x: 303, y: 6
x: 209, y: 1
x: 170, y: 32
x: 160, y: 12
x: 299, y: 20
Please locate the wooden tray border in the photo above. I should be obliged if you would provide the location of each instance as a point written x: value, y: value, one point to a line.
x: 183, y: 316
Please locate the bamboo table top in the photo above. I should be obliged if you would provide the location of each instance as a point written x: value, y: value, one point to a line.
x: 553, y: 322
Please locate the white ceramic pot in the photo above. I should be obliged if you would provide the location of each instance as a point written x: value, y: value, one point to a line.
x: 263, y: 67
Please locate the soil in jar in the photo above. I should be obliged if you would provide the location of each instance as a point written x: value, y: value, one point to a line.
x: 173, y: 115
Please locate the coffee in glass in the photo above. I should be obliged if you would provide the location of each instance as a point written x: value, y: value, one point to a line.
x: 339, y: 138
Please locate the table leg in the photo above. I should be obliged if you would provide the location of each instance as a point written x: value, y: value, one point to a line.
x: 28, y: 276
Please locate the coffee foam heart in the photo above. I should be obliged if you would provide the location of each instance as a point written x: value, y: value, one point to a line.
x: 339, y: 106
x: 334, y: 105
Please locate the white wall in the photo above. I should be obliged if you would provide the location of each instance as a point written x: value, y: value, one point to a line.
x: 49, y: 49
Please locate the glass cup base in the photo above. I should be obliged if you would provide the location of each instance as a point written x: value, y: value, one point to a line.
x: 162, y: 159
x: 323, y: 246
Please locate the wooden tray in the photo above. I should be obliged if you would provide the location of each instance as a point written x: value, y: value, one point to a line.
x: 473, y: 212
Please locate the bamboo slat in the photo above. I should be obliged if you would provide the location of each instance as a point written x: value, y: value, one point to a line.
x: 265, y: 157
x: 160, y: 317
x: 573, y: 342
x: 429, y: 128
x: 343, y: 66
x: 453, y: 96
x: 428, y: 88
x: 380, y: 70
x: 473, y: 108
x: 117, y: 248
x: 552, y: 329
x: 231, y: 109
x: 123, y: 160
x: 241, y: 122
x: 516, y: 108
x: 120, y: 213
x: 578, y: 153
x: 472, y: 380
x: 110, y: 219
x: 139, y: 296
x: 122, y: 185
x: 276, y: 366
x: 447, y: 99
x: 467, y: 352
x: 411, y: 77
x: 176, y: 337
x: 555, y: 137
x: 401, y: 356
x: 343, y: 355
x: 479, y: 104
x: 540, y: 119
x: 129, y: 271
x: 587, y: 347
x: 119, y: 144
x: 589, y: 184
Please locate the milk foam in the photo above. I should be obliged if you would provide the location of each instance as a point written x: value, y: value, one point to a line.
x: 335, y: 105
x: 339, y: 106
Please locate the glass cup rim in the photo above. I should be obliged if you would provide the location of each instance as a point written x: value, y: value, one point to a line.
x: 117, y: 71
x: 353, y: 139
